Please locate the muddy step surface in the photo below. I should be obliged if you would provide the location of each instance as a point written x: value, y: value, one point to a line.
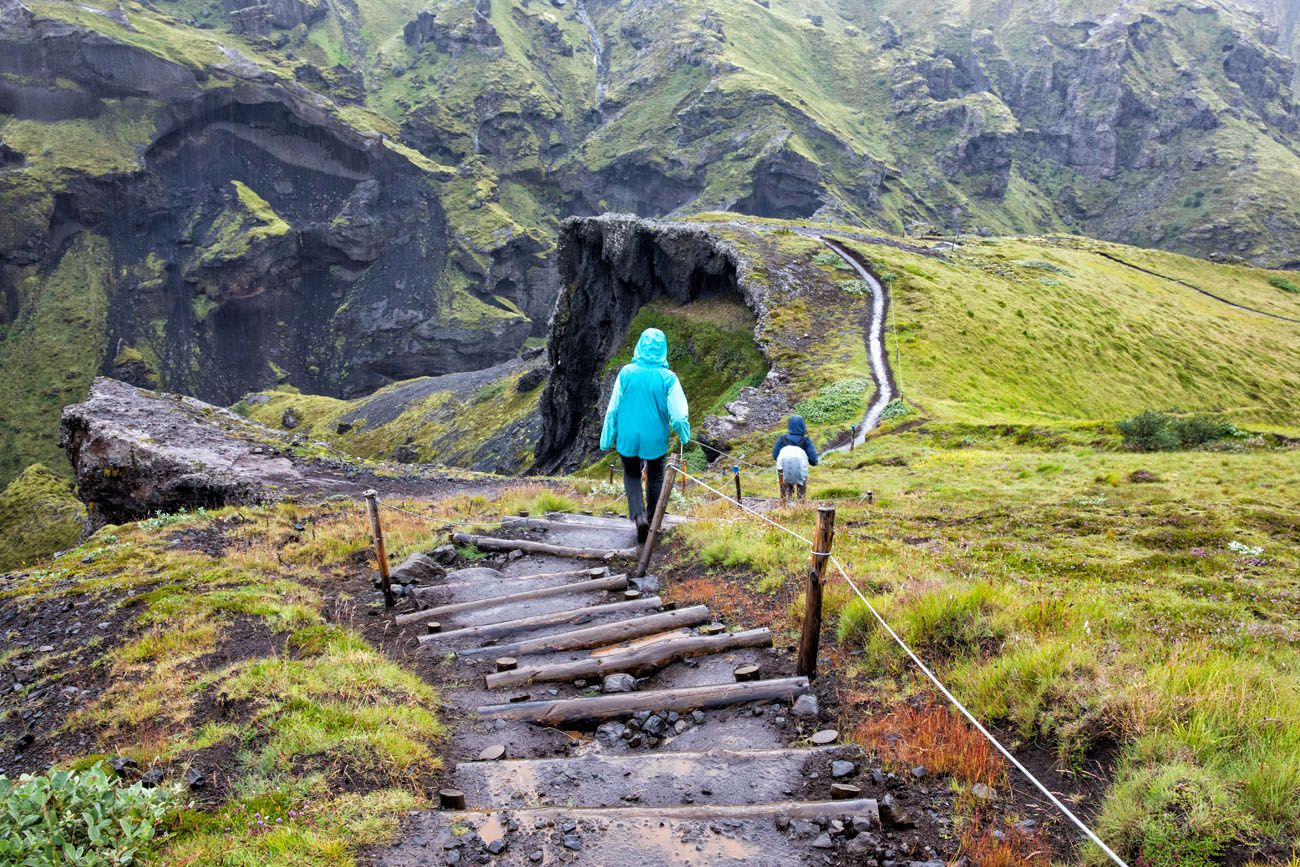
x: 729, y: 777
x: 674, y: 761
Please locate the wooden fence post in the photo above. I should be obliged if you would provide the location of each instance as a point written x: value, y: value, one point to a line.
x: 735, y: 471
x: 853, y: 436
x: 810, y: 640
x: 661, y: 506
x: 611, y: 471
x: 380, y: 553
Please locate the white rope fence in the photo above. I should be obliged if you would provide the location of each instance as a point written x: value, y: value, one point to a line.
x: 1088, y: 832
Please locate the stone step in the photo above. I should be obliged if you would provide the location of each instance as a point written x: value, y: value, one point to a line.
x: 776, y: 834
x: 716, y: 777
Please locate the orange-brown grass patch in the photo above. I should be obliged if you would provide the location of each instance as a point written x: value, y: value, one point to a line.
x: 728, y: 601
x: 1012, y: 849
x: 935, y: 737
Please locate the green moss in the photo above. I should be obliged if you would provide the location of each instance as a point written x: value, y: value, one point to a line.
x: 710, y: 348
x: 51, y: 352
x: 39, y: 514
x: 247, y: 221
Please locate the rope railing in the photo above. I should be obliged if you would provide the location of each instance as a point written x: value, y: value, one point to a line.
x: 930, y: 675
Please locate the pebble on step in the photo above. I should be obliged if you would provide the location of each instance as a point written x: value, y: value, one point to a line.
x: 805, y: 707
x: 618, y: 683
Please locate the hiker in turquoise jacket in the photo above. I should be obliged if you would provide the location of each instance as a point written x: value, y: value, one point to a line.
x: 647, y: 403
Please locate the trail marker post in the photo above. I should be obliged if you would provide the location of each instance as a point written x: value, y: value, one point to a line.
x: 657, y: 522
x: 810, y: 640
x: 853, y: 436
x: 381, y: 555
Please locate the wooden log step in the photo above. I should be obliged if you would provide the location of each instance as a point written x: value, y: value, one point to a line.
x: 667, y: 779
x: 598, y: 636
x: 478, y: 574
x: 867, y: 807
x: 603, y: 707
x: 468, y: 591
x: 548, y: 524
x: 488, y: 543
x: 611, y: 582
x: 642, y: 659
x: 578, y: 615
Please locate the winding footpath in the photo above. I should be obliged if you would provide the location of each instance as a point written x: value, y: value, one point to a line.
x: 875, y: 348
x: 1117, y: 260
x: 593, y: 723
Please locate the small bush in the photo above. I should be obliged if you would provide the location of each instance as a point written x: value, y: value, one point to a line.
x: 79, y: 818
x: 1153, y: 431
x: 1284, y: 284
x: 489, y: 391
x: 826, y: 258
x: 1148, y: 432
x: 855, y: 287
x: 836, y: 402
x: 896, y: 408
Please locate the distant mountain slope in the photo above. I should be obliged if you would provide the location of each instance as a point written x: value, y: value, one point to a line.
x: 339, y: 194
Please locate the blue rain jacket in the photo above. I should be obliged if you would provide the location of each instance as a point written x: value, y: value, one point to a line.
x: 796, y: 435
x: 646, y: 402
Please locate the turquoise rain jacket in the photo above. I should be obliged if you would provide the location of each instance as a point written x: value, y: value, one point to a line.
x: 647, y: 400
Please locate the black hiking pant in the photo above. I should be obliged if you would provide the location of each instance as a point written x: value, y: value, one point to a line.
x: 642, y: 503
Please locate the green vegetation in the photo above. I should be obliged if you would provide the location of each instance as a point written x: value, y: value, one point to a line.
x: 710, y: 348
x: 50, y: 354
x: 430, y: 425
x: 1284, y: 284
x: 81, y: 819
x: 838, y: 402
x: 247, y: 221
x: 1075, y: 594
x: 1153, y: 431
x: 39, y: 514
x: 262, y: 630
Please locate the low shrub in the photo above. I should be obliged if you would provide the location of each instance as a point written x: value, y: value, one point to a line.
x: 896, y: 408
x: 1153, y: 431
x: 80, y: 818
x: 837, y: 402
x: 855, y: 287
x: 1284, y: 284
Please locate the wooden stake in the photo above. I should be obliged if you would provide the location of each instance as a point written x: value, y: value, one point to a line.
x: 451, y: 799
x: 611, y: 472
x: 812, y: 606
x: 381, y: 555
x: 657, y: 522
x: 735, y: 471
x: 853, y: 436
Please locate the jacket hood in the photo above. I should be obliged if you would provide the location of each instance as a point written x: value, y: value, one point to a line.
x: 796, y: 426
x: 651, y: 348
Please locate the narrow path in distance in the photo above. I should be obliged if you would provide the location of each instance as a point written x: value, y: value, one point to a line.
x: 1117, y: 260
x: 875, y: 347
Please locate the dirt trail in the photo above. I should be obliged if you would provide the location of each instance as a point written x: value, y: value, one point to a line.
x: 1117, y: 260
x: 880, y: 371
x: 697, y: 764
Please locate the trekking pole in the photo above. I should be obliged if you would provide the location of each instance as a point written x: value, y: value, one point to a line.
x: 780, y: 483
x: 681, y: 462
x: 380, y: 553
x: 656, y: 523
x: 611, y: 471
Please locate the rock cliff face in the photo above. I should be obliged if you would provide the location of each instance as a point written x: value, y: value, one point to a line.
x: 610, y: 267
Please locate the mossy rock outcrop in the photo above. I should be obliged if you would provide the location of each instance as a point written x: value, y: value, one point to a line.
x: 39, y: 514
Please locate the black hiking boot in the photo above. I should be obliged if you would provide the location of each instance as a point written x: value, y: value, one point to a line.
x: 642, y: 529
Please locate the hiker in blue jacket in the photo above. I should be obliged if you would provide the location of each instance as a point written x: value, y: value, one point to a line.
x: 794, y: 453
x: 647, y: 403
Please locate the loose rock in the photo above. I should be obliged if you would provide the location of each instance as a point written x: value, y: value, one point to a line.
x: 805, y: 707
x: 618, y: 683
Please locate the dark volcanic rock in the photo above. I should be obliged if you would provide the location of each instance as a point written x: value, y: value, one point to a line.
x: 610, y: 267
